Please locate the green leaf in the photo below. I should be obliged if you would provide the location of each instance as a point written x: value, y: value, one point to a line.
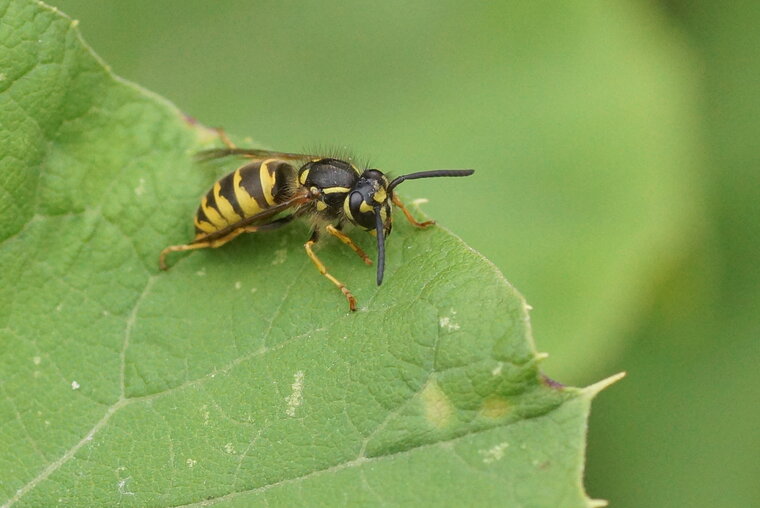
x: 239, y: 375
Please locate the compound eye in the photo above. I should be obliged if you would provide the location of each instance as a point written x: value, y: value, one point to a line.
x: 355, y: 200
x: 361, y: 214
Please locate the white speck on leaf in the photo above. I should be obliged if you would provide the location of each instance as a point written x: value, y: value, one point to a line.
x: 140, y: 189
x: 238, y: 285
x: 123, y: 487
x: 253, y: 290
x: 295, y: 399
x: 497, y: 370
x: 448, y: 323
x: 74, y: 385
x: 191, y: 462
x: 229, y: 448
x: 280, y: 255
x: 37, y: 360
x: 59, y: 307
x: 493, y: 454
x: 201, y: 272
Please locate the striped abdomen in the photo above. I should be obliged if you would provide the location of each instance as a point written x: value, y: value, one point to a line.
x: 243, y: 193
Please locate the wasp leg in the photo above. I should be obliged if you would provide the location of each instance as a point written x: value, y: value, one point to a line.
x: 218, y: 242
x: 323, y: 270
x: 345, y: 239
x: 212, y: 244
x: 178, y: 248
x: 412, y: 220
x: 225, y: 139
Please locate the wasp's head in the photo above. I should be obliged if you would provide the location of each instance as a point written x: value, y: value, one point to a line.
x: 369, y: 199
x: 368, y: 204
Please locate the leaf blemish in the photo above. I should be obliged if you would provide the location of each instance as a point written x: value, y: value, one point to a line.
x: 497, y: 370
x: 122, y: 486
x: 140, y: 189
x: 438, y: 409
x: 238, y: 285
x: 229, y: 449
x: 36, y: 360
x: 280, y: 255
x: 295, y: 399
x: 495, y: 407
x: 191, y: 462
x: 493, y: 454
x: 447, y: 322
x: 74, y: 385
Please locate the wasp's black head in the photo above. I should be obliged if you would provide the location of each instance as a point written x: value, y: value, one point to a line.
x: 368, y: 204
x: 369, y: 197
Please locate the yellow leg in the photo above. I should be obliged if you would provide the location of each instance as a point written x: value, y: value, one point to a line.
x: 345, y: 239
x: 321, y: 267
x: 225, y: 139
x: 200, y: 243
x: 212, y: 244
x: 178, y: 248
x: 412, y: 220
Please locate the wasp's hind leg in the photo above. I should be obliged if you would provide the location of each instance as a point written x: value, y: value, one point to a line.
x: 198, y: 244
x: 212, y: 243
x: 409, y: 217
x: 179, y: 248
x: 347, y: 240
x: 323, y: 270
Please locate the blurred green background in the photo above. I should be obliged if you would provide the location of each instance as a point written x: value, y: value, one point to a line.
x: 617, y: 184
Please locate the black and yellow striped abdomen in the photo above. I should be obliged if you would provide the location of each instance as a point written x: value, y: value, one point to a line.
x: 245, y: 192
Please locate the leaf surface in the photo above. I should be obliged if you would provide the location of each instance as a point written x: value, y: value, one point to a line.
x: 238, y: 376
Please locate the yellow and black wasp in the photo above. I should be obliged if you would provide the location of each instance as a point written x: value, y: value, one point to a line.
x: 268, y: 192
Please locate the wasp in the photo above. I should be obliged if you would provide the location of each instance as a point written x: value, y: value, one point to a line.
x: 271, y: 189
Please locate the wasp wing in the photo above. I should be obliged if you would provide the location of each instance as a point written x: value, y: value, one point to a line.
x: 252, y: 153
x: 303, y: 196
